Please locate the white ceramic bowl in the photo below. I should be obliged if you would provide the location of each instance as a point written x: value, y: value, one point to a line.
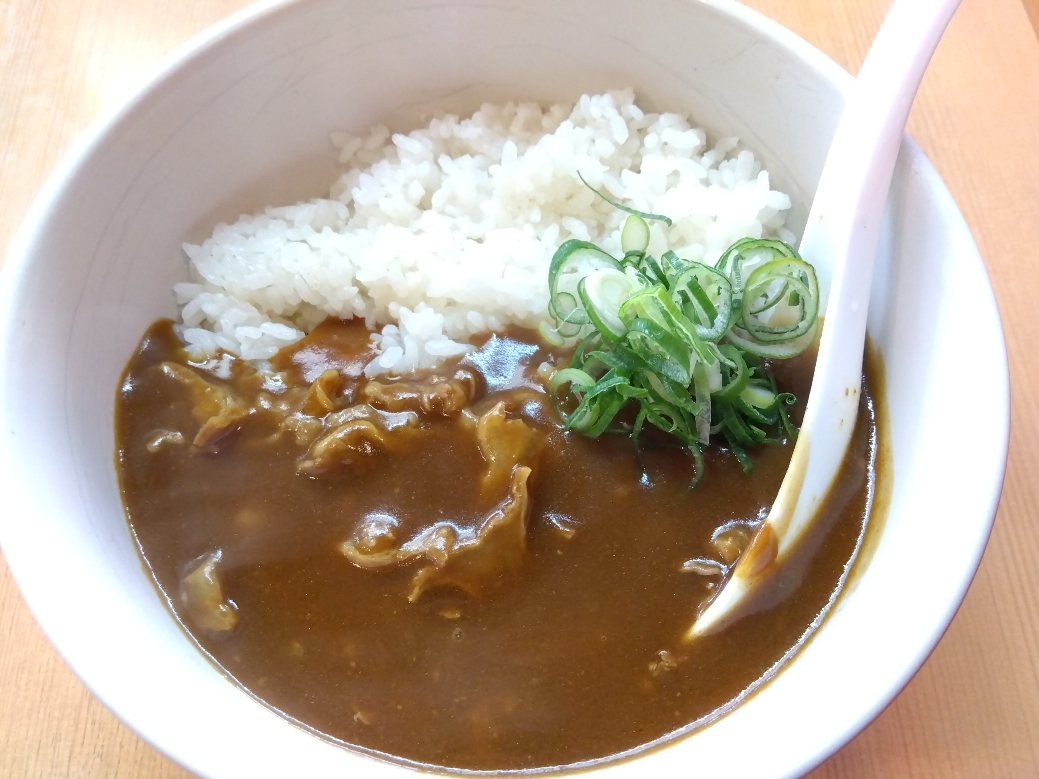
x: 241, y: 118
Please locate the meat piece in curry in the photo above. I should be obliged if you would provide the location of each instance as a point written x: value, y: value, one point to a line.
x: 430, y: 567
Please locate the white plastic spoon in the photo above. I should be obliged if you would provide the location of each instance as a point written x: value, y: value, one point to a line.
x: 843, y: 227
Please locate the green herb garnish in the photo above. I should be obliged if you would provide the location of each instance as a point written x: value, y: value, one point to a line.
x: 678, y: 340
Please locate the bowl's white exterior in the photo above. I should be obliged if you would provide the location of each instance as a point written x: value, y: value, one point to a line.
x: 241, y: 117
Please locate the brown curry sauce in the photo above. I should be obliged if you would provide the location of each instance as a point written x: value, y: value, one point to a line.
x: 562, y: 644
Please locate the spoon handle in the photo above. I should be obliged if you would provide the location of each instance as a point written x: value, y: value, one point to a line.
x: 842, y: 230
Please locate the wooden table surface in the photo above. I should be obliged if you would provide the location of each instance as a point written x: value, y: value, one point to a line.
x: 972, y: 711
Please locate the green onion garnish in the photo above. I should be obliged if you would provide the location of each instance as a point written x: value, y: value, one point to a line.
x: 678, y: 341
x: 641, y: 214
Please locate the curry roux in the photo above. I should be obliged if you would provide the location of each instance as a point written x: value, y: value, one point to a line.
x: 365, y: 569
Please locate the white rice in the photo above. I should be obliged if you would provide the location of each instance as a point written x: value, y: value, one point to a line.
x: 448, y: 231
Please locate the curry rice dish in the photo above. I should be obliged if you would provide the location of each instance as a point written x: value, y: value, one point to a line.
x: 477, y: 538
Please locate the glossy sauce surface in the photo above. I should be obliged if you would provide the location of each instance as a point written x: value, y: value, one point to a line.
x: 560, y: 647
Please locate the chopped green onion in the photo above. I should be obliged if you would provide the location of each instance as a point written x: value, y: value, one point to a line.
x: 602, y: 293
x: 706, y: 295
x: 635, y: 235
x: 758, y: 395
x: 642, y: 214
x: 572, y: 262
x: 739, y: 375
x: 578, y: 380
x: 778, y: 350
x: 550, y: 334
x: 763, y: 319
x: 703, y: 399
x: 680, y: 341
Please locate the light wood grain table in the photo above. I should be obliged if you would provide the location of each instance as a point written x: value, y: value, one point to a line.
x: 972, y: 711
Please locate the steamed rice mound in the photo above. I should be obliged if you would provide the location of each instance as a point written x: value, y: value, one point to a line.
x: 448, y: 231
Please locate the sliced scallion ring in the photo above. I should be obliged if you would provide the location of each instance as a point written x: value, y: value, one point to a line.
x: 777, y: 350
x: 602, y: 294
x: 705, y: 295
x: 551, y: 334
x: 572, y: 262
x: 578, y: 380
x: 732, y: 260
x: 634, y: 235
x: 758, y: 394
x: 780, y: 300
